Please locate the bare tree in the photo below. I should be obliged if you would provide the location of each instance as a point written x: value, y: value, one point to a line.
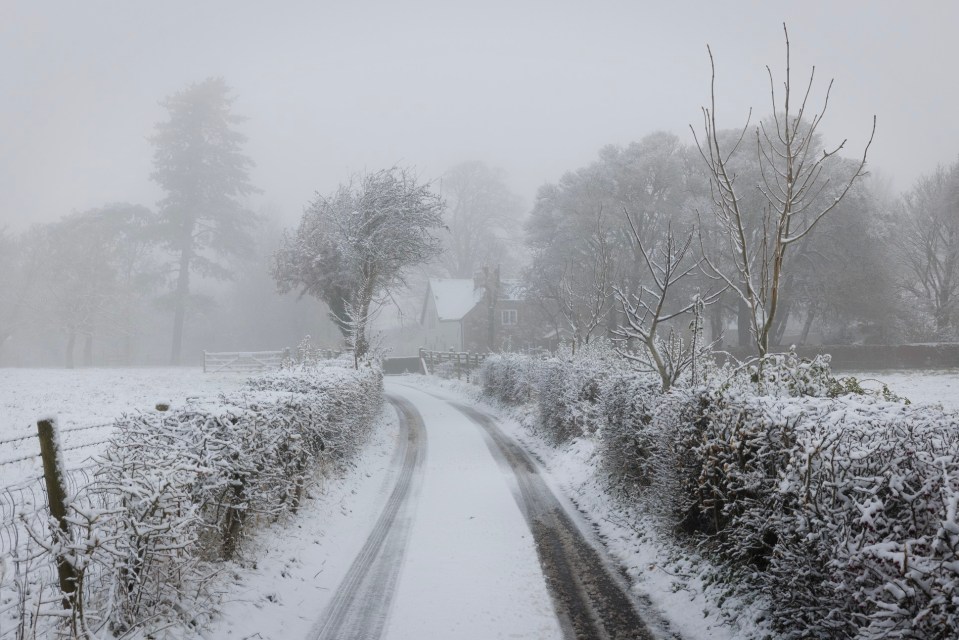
x: 791, y: 187
x: 580, y: 291
x: 483, y: 219
x: 931, y: 247
x: 651, y: 308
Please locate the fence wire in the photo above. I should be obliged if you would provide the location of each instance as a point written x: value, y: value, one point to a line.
x: 30, y: 597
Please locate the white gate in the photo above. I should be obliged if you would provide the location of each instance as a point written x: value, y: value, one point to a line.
x: 243, y: 361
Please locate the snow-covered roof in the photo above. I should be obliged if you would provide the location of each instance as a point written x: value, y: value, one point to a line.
x: 454, y: 297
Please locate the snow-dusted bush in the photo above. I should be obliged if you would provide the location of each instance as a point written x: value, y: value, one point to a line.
x: 508, y: 377
x: 843, y: 510
x: 569, y: 391
x: 445, y: 370
x: 175, y: 492
x: 629, y: 437
x: 841, y: 506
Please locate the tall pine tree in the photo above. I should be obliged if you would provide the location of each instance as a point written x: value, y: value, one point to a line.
x: 198, y: 161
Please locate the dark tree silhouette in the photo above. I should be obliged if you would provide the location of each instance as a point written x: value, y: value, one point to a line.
x: 198, y: 160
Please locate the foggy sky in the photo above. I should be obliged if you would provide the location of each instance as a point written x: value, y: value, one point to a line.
x: 533, y: 87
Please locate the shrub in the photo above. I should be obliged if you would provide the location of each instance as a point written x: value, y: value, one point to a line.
x: 629, y: 437
x: 508, y: 377
x: 179, y: 490
x: 842, y: 510
x: 840, y: 505
x: 569, y: 392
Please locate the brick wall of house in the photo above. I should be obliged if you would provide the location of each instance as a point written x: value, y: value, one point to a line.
x: 475, y: 335
x: 526, y: 332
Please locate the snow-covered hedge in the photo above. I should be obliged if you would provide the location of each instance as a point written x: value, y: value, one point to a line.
x: 175, y: 492
x: 840, y: 507
x: 509, y: 377
x: 566, y: 389
x: 843, y: 510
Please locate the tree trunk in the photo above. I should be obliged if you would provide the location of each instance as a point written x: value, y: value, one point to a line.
x: 942, y: 321
x: 779, y: 326
x: 490, y: 329
x: 128, y: 349
x: 807, y: 325
x: 71, y: 342
x: 361, y: 342
x: 716, y: 325
x: 743, y: 322
x: 88, y: 350
x: 612, y: 317
x: 179, y: 312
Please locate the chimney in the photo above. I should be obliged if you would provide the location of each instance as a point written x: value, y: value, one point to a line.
x: 479, y: 278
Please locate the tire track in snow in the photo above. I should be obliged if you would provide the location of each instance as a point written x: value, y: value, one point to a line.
x: 591, y: 600
x: 360, y: 607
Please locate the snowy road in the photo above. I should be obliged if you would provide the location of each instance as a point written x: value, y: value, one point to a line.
x: 361, y: 603
x: 472, y: 544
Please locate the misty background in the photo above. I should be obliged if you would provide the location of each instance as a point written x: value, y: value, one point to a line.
x: 531, y: 90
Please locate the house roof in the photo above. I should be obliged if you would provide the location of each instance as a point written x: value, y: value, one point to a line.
x: 454, y: 297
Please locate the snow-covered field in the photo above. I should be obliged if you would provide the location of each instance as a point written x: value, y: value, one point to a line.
x: 939, y: 386
x: 87, y: 397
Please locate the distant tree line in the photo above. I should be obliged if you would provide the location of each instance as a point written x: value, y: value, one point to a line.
x: 115, y: 280
x: 757, y: 236
x: 795, y: 242
x: 879, y: 268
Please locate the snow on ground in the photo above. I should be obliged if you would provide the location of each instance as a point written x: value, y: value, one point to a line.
x: 936, y: 386
x: 293, y: 567
x: 85, y: 397
x: 658, y: 571
x: 469, y: 571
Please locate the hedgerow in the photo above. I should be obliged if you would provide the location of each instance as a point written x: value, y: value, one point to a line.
x: 838, y: 505
x: 177, y: 492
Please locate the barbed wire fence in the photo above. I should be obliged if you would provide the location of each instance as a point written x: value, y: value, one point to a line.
x: 151, y: 503
x: 31, y: 597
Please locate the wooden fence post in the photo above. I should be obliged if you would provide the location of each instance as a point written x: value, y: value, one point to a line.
x: 57, y: 497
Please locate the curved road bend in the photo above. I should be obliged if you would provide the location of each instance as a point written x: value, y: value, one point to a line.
x: 491, y: 552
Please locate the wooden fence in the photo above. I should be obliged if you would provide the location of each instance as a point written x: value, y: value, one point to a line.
x: 463, y: 362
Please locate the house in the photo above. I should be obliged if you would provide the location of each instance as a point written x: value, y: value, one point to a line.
x: 481, y: 314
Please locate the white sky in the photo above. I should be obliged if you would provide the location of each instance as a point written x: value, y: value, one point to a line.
x: 332, y: 87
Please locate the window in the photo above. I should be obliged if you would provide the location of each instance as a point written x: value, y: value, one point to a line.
x: 509, y: 316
